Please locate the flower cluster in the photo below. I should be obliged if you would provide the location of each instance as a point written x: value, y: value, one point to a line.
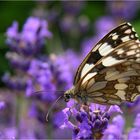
x: 47, y: 80
x: 14, y: 82
x: 32, y: 37
x: 51, y: 74
x: 90, y: 120
x: 116, y: 129
x: 40, y: 79
x: 23, y: 47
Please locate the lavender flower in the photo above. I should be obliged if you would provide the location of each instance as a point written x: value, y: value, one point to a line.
x: 14, y: 82
x: 32, y: 37
x: 12, y: 32
x: 41, y: 80
x: 55, y: 73
x: 23, y: 46
x: 134, y: 133
x: 62, y: 71
x: 17, y: 61
x: 137, y: 121
x: 115, y: 129
x: 69, y: 56
x: 133, y: 107
x: 8, y: 133
x: 47, y: 77
x: 90, y: 122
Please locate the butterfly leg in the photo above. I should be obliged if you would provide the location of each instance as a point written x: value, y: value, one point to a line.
x: 70, y: 114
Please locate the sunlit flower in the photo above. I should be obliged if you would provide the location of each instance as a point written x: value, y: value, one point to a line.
x: 91, y: 121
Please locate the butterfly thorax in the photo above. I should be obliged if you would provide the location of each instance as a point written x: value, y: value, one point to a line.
x: 73, y: 93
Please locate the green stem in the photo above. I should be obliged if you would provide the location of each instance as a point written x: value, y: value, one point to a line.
x: 21, y: 107
x: 18, y: 106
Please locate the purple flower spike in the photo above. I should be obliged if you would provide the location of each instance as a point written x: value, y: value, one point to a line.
x: 134, y: 133
x: 71, y: 103
x: 114, y: 108
x: 84, y: 130
x: 41, y: 80
x: 137, y: 121
x: 119, y: 121
x: 12, y: 32
x: 114, y: 130
x: 33, y: 28
x: 66, y: 122
x: 32, y: 37
x: 62, y: 71
x: 14, y: 82
x: 89, y: 121
x: 10, y: 133
x: 59, y: 119
x: 17, y: 61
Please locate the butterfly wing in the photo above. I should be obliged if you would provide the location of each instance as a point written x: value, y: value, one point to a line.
x: 116, y: 77
x: 123, y: 33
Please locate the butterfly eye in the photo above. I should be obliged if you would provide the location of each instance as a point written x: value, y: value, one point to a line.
x: 67, y: 97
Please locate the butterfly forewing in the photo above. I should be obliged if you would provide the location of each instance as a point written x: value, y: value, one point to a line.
x: 113, y: 39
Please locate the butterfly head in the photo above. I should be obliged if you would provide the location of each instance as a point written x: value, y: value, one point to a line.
x: 68, y: 94
x: 67, y: 97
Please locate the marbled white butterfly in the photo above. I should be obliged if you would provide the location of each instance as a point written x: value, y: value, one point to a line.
x: 110, y: 73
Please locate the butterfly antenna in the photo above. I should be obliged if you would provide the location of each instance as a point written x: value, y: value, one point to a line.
x: 41, y: 91
x: 52, y: 106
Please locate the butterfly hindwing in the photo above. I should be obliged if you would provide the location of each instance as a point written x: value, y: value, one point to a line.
x: 113, y: 39
x: 114, y: 85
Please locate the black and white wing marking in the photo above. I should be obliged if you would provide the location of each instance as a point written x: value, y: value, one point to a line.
x: 116, y: 77
x: 123, y: 33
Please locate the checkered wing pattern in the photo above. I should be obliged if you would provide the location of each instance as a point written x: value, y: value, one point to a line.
x: 110, y: 73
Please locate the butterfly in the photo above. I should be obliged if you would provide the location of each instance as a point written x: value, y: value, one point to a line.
x: 110, y: 73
